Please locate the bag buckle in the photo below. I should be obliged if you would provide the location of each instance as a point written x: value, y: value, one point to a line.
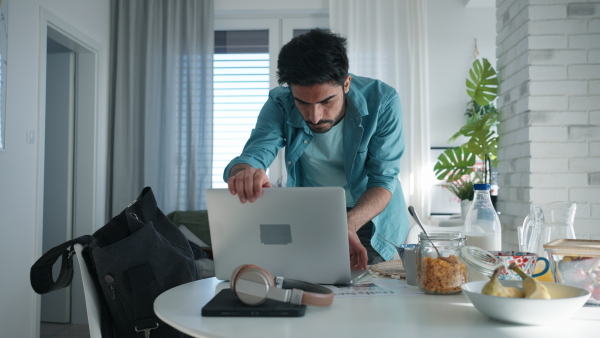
x: 132, y: 203
x: 147, y: 330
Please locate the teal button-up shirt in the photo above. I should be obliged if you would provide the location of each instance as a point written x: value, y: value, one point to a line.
x: 373, y: 146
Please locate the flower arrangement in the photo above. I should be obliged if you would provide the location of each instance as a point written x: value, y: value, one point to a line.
x: 461, y: 188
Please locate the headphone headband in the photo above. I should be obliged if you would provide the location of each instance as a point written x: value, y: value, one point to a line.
x: 254, y: 285
x: 314, y: 294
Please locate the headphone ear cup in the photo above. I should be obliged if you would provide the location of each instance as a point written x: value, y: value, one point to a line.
x: 239, y: 271
x: 234, y: 275
x: 252, y: 273
x: 267, y: 274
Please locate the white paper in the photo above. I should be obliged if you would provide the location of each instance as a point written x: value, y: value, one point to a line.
x: 370, y: 286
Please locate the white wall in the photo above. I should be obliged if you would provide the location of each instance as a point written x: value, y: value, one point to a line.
x: 451, y: 32
x: 19, y: 179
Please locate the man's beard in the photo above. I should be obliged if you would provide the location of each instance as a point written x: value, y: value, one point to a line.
x: 324, y: 123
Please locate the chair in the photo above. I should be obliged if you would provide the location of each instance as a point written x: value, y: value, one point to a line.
x: 415, y: 230
x: 92, y: 304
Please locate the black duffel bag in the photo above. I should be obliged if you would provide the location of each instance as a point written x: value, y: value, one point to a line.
x: 132, y: 259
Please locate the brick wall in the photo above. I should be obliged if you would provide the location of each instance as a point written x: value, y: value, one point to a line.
x: 548, y: 55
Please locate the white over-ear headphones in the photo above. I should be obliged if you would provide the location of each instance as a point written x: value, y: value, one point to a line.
x: 253, y: 285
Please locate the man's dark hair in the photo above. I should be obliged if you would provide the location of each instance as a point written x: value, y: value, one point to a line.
x: 316, y: 57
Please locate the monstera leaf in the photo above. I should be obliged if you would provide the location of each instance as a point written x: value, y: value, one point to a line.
x: 482, y: 84
x: 483, y: 140
x: 482, y: 126
x: 453, y: 163
x: 484, y: 144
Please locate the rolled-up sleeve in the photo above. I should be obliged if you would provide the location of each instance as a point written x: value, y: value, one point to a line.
x: 265, y: 140
x: 386, y: 146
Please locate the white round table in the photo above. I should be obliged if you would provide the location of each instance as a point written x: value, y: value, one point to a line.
x: 377, y: 316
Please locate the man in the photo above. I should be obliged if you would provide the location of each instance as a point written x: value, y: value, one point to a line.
x: 338, y: 130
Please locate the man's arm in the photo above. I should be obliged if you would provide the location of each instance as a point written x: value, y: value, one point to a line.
x: 369, y: 205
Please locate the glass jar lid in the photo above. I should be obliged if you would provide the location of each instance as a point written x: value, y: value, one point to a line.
x: 479, y: 259
x: 448, y: 235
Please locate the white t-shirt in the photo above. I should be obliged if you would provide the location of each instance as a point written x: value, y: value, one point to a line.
x: 323, y: 161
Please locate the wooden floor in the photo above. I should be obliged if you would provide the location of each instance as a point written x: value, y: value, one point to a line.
x: 50, y: 330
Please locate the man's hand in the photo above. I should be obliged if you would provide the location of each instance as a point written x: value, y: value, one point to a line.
x: 368, y: 206
x: 358, y: 253
x: 247, y: 182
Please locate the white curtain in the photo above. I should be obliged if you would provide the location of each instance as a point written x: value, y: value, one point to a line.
x: 387, y: 41
x: 161, y: 102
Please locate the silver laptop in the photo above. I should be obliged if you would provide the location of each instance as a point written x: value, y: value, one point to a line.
x: 296, y: 233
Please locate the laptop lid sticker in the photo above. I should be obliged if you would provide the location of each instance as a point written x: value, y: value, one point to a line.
x: 278, y: 234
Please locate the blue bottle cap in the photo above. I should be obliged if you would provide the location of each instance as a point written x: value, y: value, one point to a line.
x: 481, y: 186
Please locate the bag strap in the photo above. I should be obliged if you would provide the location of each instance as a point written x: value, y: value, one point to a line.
x: 41, y: 271
x: 140, y: 280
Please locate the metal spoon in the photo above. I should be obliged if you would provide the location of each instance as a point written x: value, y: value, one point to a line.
x: 414, y: 215
x: 397, y: 246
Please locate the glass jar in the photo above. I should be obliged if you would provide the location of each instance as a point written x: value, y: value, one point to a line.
x: 479, y: 262
x: 443, y: 274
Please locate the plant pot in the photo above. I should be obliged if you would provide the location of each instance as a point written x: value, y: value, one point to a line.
x: 464, y: 208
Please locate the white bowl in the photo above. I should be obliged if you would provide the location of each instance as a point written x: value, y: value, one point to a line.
x: 565, y: 302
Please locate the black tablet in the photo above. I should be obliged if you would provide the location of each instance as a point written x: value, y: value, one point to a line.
x: 226, y: 304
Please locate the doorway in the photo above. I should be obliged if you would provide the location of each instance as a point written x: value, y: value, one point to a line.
x: 58, y: 168
x: 69, y: 146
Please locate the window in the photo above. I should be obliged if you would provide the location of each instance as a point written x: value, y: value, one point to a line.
x: 241, y: 87
x: 244, y: 70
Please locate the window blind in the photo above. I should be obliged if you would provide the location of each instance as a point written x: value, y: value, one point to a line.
x: 241, y: 87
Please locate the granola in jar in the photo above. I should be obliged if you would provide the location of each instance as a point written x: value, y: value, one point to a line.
x: 441, y: 275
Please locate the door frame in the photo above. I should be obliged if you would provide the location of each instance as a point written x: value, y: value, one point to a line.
x: 85, y: 166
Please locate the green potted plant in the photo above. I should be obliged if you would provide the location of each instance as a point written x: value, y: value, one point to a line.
x: 457, y: 166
